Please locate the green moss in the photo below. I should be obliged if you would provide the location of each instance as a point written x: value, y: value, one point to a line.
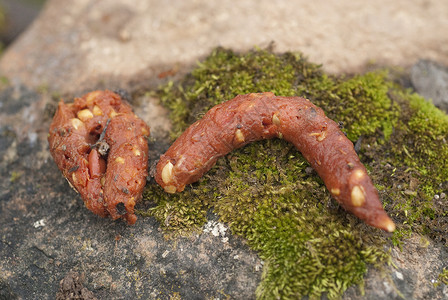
x: 362, y: 103
x: 15, y: 176
x: 266, y: 193
x: 287, y: 216
x: 4, y: 81
x: 179, y: 214
x: 442, y: 278
x: 427, y: 129
x: 419, y: 149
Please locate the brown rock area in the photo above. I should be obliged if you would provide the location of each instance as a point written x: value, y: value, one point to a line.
x: 50, y: 243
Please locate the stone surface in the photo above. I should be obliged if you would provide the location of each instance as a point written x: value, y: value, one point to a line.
x: 412, y: 274
x: 430, y: 80
x: 47, y: 235
x: 82, y: 42
x: 71, y: 288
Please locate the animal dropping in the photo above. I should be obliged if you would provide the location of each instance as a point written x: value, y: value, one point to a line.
x: 99, y: 145
x: 257, y: 116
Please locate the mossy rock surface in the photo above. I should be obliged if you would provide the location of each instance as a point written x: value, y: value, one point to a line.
x: 269, y: 195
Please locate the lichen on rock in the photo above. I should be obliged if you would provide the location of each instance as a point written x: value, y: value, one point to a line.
x: 267, y: 193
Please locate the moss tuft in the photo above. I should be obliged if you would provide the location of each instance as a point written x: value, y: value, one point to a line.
x: 442, y: 278
x: 267, y: 193
x: 287, y: 216
x: 178, y: 214
x: 363, y: 105
x: 419, y: 150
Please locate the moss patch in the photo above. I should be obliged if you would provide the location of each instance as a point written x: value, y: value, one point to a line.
x: 419, y: 149
x: 267, y: 192
x: 442, y: 278
x: 179, y: 214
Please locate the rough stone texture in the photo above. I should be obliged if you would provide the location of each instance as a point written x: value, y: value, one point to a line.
x: 46, y: 233
x: 430, y: 80
x: 82, y: 42
x: 71, y: 288
x: 415, y: 269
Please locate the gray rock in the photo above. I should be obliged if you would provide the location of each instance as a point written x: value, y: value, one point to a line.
x: 430, y: 80
x: 71, y: 287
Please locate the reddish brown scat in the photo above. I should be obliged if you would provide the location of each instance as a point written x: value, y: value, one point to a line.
x: 85, y: 135
x: 256, y: 116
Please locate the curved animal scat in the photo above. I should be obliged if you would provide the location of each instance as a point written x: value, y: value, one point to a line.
x: 257, y: 116
x: 99, y: 145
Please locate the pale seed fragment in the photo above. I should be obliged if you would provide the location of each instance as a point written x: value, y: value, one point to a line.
x: 91, y: 97
x: 358, y: 174
x: 97, y: 111
x: 112, y: 113
x: 74, y: 178
x: 275, y: 119
x: 167, y: 173
x: 320, y: 136
x: 336, y: 191
x: 119, y: 160
x: 357, y: 196
x: 239, y: 136
x: 84, y: 115
x: 145, y: 131
x: 76, y: 123
x: 170, y: 189
x: 136, y: 152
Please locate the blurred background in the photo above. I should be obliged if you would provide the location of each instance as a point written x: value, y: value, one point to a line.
x: 15, y: 16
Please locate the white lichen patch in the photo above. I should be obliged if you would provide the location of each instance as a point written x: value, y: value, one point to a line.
x: 399, y: 275
x: 87, y: 246
x: 217, y: 229
x: 259, y: 266
x: 39, y: 223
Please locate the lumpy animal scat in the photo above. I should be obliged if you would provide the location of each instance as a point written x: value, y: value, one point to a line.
x: 252, y: 117
x: 100, y: 146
